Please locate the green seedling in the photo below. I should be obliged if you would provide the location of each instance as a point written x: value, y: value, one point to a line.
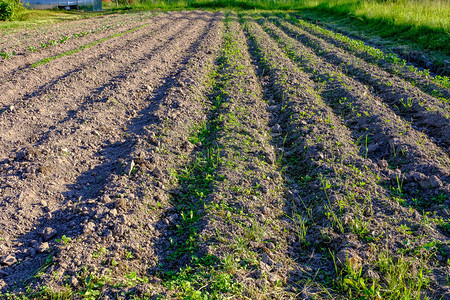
x: 64, y: 239
x: 7, y: 55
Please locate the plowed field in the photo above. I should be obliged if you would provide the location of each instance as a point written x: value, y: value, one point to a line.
x: 203, y: 155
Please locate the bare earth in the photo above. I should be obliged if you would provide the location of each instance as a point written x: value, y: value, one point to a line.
x: 196, y: 155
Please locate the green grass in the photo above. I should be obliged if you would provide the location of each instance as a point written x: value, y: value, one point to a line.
x: 34, y: 18
x: 423, y: 23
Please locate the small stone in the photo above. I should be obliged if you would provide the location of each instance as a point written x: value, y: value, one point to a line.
x: 430, y: 182
x: 113, y: 212
x: 89, y: 227
x: 272, y: 108
x: 43, y: 247
x: 8, y: 260
x: 267, y: 260
x: 129, y: 168
x: 277, y: 128
x: 12, y: 108
x: 348, y: 257
x: 270, y: 245
x: 265, y: 268
x: 157, y: 172
x: 435, y: 182
x: 273, y: 278
x: 73, y: 281
x: 48, y: 233
x: 121, y: 204
x: 383, y: 164
x: 187, y: 145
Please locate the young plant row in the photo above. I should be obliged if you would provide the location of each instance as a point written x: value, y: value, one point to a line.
x: 429, y: 113
x: 390, y: 139
x: 337, y: 189
x: 435, y: 85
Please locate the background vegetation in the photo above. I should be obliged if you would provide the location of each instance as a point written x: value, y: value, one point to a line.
x: 10, y: 10
x: 425, y: 23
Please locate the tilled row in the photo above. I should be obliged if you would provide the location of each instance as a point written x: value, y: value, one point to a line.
x: 79, y: 204
x: 19, y: 39
x: 65, y: 99
x: 428, y: 113
x: 389, y: 62
x: 346, y: 212
x: 25, y: 82
x: 25, y: 58
x: 240, y: 216
x: 403, y: 153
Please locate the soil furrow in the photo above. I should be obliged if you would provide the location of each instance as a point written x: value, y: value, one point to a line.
x: 346, y: 213
x: 373, y: 55
x: 382, y: 136
x: 22, y: 43
x: 237, y: 207
x: 16, y: 37
x: 26, y: 57
x: 13, y: 81
x: 428, y: 113
x: 106, y: 162
x: 60, y: 106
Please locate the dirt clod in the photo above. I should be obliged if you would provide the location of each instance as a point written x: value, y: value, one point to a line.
x: 48, y: 233
x: 8, y: 259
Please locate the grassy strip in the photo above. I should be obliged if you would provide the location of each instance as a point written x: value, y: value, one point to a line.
x: 424, y: 23
x: 358, y: 108
x: 334, y: 182
x: 391, y: 62
x: 84, y: 47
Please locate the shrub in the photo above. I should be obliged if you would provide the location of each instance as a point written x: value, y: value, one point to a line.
x: 9, y: 9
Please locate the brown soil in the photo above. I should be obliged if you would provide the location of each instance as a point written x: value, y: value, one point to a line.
x: 199, y: 155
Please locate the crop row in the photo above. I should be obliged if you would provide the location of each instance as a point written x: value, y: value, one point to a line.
x: 409, y: 102
x: 380, y: 134
x: 391, y: 62
x: 120, y: 106
x: 339, y: 191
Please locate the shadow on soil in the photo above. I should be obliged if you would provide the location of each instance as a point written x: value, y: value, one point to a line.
x: 89, y: 186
